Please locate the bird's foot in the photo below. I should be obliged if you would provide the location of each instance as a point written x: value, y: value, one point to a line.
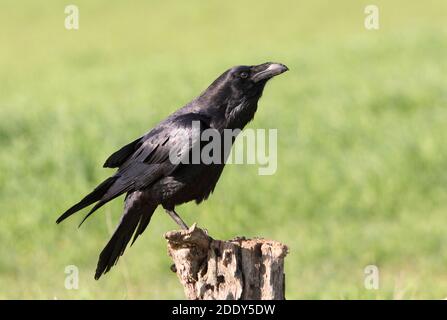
x: 177, y: 219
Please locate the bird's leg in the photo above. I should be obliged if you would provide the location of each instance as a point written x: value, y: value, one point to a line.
x: 177, y: 219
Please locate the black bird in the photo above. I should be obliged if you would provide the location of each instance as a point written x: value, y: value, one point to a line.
x: 146, y: 172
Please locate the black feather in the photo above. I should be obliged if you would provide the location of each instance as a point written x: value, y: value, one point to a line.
x: 120, y: 156
x: 138, y: 211
x: 91, y: 198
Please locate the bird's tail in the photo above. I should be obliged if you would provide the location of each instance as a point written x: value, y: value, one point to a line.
x: 138, y: 211
x: 100, y: 193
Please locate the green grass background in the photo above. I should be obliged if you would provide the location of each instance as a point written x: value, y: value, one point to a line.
x: 362, y: 152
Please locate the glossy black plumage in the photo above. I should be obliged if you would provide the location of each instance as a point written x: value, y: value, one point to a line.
x: 146, y: 173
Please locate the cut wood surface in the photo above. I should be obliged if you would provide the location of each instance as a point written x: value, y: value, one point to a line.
x: 237, y: 269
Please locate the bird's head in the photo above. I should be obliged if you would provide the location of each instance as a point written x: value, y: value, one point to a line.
x: 237, y: 91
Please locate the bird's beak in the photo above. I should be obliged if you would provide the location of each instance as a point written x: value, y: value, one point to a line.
x: 268, y: 70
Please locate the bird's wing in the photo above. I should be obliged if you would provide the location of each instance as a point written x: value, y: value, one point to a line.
x: 152, y: 160
x: 157, y: 156
x: 162, y: 152
x: 149, y: 141
x: 119, y: 157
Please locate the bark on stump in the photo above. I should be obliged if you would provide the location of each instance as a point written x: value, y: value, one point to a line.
x: 238, y: 269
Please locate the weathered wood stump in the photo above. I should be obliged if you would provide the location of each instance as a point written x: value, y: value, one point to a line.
x: 237, y: 269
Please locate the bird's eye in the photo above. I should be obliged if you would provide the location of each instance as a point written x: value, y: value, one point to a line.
x: 243, y: 75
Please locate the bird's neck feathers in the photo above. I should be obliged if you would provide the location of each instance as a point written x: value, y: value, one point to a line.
x: 228, y: 112
x: 227, y: 106
x: 239, y: 115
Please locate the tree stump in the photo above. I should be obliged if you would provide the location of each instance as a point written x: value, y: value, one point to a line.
x: 237, y: 269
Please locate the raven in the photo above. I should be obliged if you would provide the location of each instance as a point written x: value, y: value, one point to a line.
x: 146, y: 172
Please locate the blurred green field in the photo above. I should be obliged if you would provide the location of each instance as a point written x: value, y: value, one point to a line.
x: 362, y: 132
